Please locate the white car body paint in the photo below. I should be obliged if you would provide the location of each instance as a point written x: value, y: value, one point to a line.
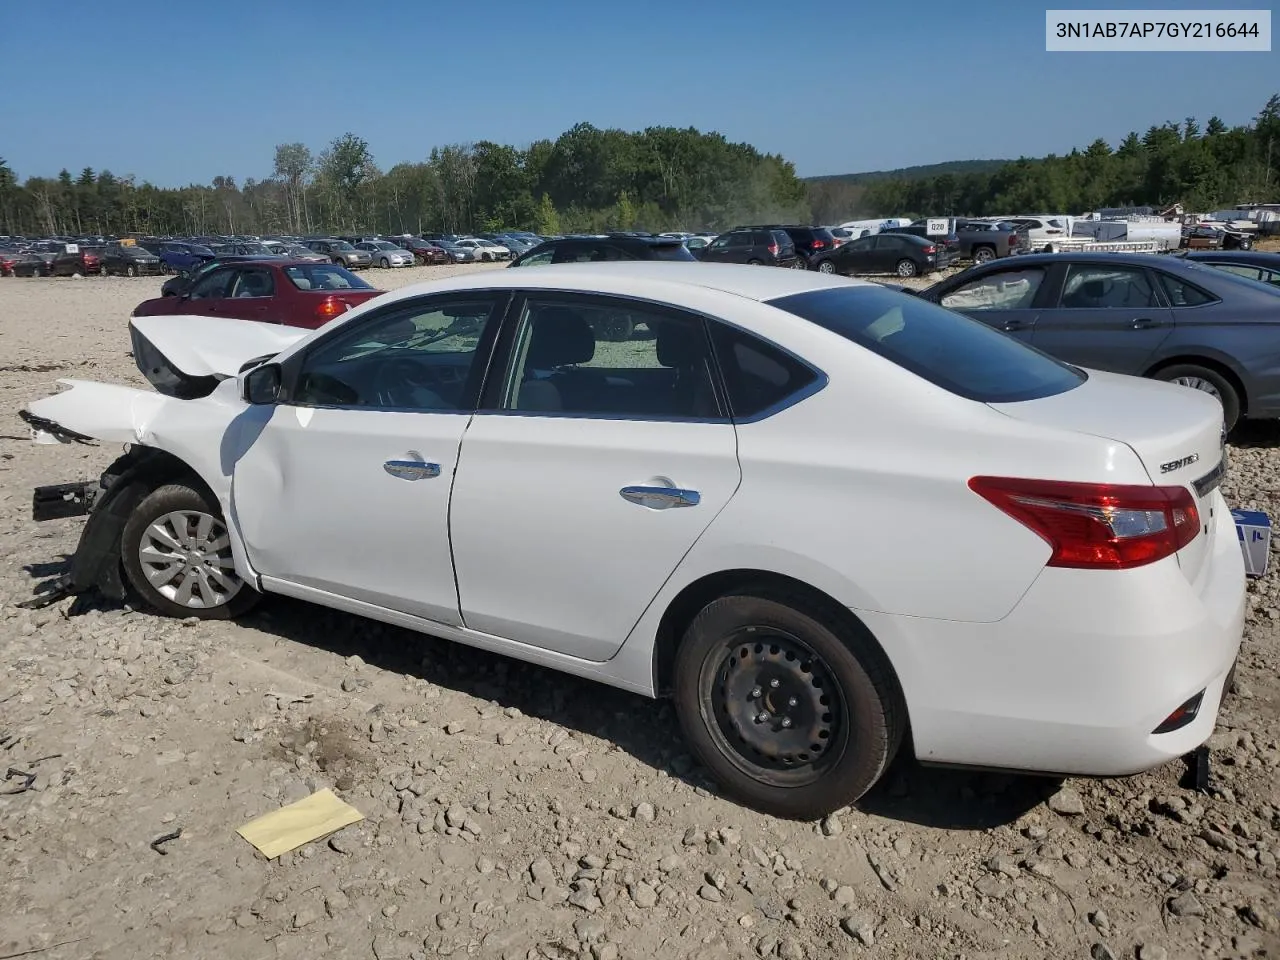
x: 1002, y: 660
x: 214, y: 346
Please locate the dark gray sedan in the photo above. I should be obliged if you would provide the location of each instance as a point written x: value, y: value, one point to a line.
x: 1152, y: 316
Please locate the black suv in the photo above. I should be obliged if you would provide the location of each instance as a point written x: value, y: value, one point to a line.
x: 759, y: 246
x: 603, y: 250
x: 811, y: 242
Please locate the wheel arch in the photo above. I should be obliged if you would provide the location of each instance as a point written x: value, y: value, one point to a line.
x: 1212, y: 363
x: 686, y: 604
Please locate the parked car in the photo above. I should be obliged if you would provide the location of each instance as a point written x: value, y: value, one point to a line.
x: 1039, y: 230
x: 386, y: 254
x: 289, y: 292
x: 898, y: 253
x: 130, y: 261
x: 342, y: 253
x: 243, y: 248
x: 9, y: 258
x: 1251, y: 264
x: 603, y: 250
x: 425, y: 251
x: 176, y: 255
x: 177, y: 285
x: 810, y: 242
x: 33, y: 263
x: 755, y: 247
x: 75, y: 260
x: 294, y: 251
x: 1166, y: 318
x: 795, y: 642
x: 1204, y: 236
x: 456, y: 253
x: 485, y: 250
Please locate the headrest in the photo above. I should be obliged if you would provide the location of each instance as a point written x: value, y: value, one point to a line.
x: 1094, y: 289
x: 680, y: 345
x: 560, y: 337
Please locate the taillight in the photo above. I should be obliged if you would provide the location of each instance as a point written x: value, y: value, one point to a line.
x: 1097, y: 525
x: 929, y: 249
x: 819, y: 244
x: 773, y: 249
x: 331, y: 307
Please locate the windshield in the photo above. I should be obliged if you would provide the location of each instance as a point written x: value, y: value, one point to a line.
x: 961, y: 355
x: 324, y: 276
x: 200, y: 250
x: 341, y: 245
x: 384, y: 245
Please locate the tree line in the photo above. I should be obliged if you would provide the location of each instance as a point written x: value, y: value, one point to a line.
x: 1203, y: 169
x: 589, y: 179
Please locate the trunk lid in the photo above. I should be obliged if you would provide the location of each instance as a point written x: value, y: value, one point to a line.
x: 1176, y: 432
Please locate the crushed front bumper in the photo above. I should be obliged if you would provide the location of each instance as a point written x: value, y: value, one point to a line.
x: 60, y: 500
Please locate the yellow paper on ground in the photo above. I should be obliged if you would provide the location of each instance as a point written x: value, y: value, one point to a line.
x: 290, y: 827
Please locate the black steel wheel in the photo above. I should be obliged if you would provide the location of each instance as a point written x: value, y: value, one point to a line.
x: 794, y: 713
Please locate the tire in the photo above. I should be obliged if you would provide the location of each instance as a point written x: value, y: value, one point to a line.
x: 131, y: 271
x: 1211, y: 382
x: 906, y: 268
x: 486, y: 257
x: 826, y: 266
x: 740, y: 655
x: 800, y: 264
x: 384, y: 263
x: 167, y: 522
x: 983, y: 254
x: 753, y: 262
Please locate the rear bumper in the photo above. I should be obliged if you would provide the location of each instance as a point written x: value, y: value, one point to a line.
x: 1075, y: 679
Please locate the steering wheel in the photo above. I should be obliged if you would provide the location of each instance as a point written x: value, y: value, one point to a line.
x: 402, y: 383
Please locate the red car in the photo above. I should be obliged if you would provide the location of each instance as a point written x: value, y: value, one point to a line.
x: 75, y: 259
x: 295, y: 293
x: 425, y: 251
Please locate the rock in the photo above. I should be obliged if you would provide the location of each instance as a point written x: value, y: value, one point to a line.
x: 1219, y: 841
x: 590, y: 929
x: 305, y: 916
x: 1066, y: 802
x: 542, y: 872
x: 1035, y: 832
x: 902, y: 846
x: 336, y: 902
x: 643, y: 895
x: 604, y: 951
x: 1186, y: 905
x: 1100, y: 920
x: 671, y: 863
x: 454, y: 727
x: 860, y: 929
x: 1149, y: 951
x: 831, y: 826
x: 585, y: 900
x: 456, y: 815
x: 390, y: 910
x: 1100, y: 951
x: 790, y: 949
x: 1002, y: 863
x: 344, y: 842
x: 709, y: 893
x: 989, y: 886
x: 845, y: 896
x: 644, y: 811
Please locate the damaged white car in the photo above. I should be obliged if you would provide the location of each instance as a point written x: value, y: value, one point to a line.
x: 827, y: 518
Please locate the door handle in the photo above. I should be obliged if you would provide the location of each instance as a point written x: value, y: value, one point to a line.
x: 661, y: 498
x: 1145, y: 323
x: 1011, y: 325
x: 411, y: 469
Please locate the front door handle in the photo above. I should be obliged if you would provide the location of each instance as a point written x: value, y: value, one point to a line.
x: 411, y: 469
x: 1145, y: 323
x: 1011, y: 325
x: 660, y: 498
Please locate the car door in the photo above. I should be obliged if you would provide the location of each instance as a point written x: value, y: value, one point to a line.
x: 345, y: 488
x: 1110, y: 316
x: 717, y: 251
x: 590, y: 470
x: 252, y: 294
x: 1003, y: 298
x: 856, y: 256
x: 211, y: 294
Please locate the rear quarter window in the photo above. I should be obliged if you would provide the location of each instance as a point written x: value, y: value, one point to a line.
x: 960, y: 355
x: 672, y: 251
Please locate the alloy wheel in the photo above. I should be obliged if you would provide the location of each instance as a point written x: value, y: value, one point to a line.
x: 186, y: 557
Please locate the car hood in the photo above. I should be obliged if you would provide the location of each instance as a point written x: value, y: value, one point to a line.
x: 211, y: 346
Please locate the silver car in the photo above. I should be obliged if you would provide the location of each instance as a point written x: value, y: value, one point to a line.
x: 386, y: 254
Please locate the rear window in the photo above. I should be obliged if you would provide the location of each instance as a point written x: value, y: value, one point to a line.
x: 324, y: 276
x: 960, y: 355
x: 671, y: 251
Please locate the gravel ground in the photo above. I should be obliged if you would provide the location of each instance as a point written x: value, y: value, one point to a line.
x: 513, y: 812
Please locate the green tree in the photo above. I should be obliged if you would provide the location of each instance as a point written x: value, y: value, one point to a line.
x: 548, y: 220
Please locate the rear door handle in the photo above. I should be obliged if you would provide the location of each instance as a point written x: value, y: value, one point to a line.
x: 411, y: 469
x: 1012, y: 325
x: 660, y: 498
x: 1145, y: 323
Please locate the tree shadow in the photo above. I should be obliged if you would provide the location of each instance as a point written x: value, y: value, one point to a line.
x: 644, y: 728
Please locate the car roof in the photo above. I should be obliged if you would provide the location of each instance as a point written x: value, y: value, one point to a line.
x: 1084, y: 256
x: 641, y: 277
x: 1260, y: 258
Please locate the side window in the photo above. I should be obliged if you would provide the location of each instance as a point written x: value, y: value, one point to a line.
x: 419, y: 358
x: 539, y: 259
x: 594, y: 253
x: 253, y: 283
x: 1098, y: 286
x: 1240, y: 270
x: 1183, y: 294
x: 568, y: 253
x: 758, y: 375
x: 213, y: 286
x: 740, y: 238
x: 621, y: 359
x: 1005, y: 290
x: 887, y: 241
x: 862, y: 244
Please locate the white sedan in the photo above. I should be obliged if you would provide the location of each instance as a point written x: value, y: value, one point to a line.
x: 827, y: 518
x: 485, y: 249
x: 386, y: 254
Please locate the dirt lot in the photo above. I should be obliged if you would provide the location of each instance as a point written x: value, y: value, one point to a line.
x: 513, y: 812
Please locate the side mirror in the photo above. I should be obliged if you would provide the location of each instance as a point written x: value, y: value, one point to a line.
x: 261, y: 385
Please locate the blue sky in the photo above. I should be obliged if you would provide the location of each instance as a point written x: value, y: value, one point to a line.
x: 180, y: 92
